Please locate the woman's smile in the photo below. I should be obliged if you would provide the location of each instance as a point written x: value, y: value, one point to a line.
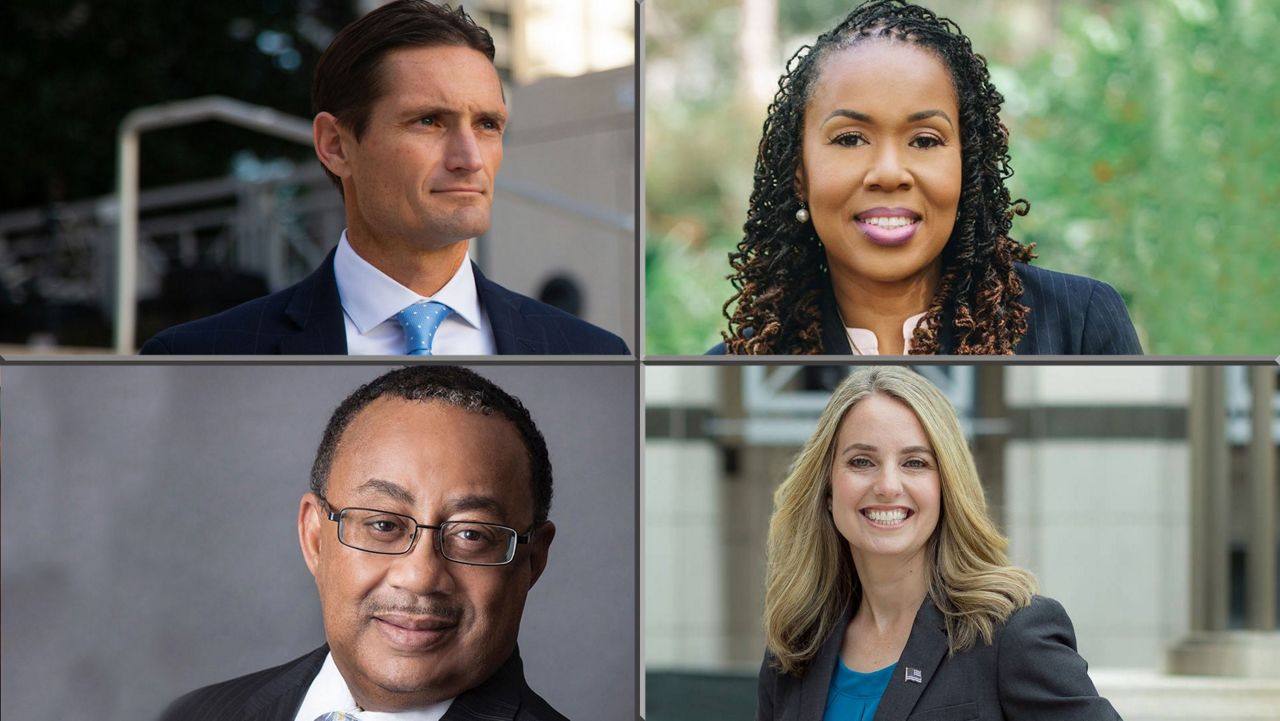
x: 888, y: 226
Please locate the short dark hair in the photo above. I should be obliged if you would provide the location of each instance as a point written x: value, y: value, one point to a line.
x: 348, y: 78
x: 457, y: 387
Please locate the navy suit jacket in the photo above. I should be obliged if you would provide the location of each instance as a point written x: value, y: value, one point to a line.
x: 306, y: 319
x: 1030, y: 671
x: 276, y: 694
x: 1070, y: 315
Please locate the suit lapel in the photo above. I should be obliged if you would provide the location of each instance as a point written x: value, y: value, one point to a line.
x: 511, y: 334
x: 497, y: 699
x: 925, y: 649
x: 316, y: 310
x: 816, y: 681
x: 835, y: 341
x: 280, y: 699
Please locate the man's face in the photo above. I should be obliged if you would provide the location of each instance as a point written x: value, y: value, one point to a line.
x: 414, y: 629
x: 422, y: 173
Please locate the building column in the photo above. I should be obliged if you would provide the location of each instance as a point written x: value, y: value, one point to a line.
x: 1210, y: 490
x: 1211, y: 649
x: 1260, y: 576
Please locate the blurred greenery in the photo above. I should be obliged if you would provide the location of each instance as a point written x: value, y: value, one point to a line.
x: 1143, y: 134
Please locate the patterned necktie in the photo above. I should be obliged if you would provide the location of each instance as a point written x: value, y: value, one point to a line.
x: 420, y: 322
x: 337, y: 716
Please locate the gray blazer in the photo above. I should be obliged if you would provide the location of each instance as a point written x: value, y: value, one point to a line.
x: 1030, y: 671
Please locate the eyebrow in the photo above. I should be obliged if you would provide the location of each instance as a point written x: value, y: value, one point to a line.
x: 868, y: 447
x: 424, y: 111
x: 473, y: 503
x: 864, y: 118
x: 456, y: 505
x: 386, y: 488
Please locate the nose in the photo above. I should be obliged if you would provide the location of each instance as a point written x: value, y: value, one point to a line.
x: 423, y: 570
x: 888, y: 485
x: 888, y: 172
x: 463, y: 153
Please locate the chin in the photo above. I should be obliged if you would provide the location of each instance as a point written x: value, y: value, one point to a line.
x: 420, y: 679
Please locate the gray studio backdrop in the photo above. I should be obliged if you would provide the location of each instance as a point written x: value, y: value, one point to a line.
x: 150, y: 547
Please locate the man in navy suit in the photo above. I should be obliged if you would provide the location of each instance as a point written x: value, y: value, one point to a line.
x: 409, y: 118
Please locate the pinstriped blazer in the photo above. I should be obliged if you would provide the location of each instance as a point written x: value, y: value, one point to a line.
x: 1030, y: 671
x: 276, y: 695
x: 1070, y: 315
x: 306, y: 319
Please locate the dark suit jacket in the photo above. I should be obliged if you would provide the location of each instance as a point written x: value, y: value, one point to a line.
x: 1030, y: 671
x: 276, y: 695
x: 306, y: 319
x: 1070, y: 315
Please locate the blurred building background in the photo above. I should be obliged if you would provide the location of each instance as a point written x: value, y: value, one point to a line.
x: 227, y: 214
x: 1139, y: 132
x: 1143, y: 498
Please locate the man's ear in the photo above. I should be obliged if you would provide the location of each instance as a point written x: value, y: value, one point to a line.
x: 332, y: 144
x: 539, y: 549
x: 311, y: 517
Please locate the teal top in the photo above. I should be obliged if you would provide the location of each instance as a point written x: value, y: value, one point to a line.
x: 855, y: 696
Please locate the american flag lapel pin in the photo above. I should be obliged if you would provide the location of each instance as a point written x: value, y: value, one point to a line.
x: 914, y: 675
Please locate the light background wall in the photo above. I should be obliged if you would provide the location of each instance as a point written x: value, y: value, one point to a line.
x: 150, y: 546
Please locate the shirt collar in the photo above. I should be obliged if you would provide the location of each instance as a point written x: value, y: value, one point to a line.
x: 370, y: 297
x: 329, y: 692
x: 864, y: 341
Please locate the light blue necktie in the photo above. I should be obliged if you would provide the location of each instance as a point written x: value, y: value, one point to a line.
x: 337, y: 716
x: 420, y: 322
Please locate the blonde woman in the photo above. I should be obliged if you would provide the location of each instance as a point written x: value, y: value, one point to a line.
x: 889, y: 595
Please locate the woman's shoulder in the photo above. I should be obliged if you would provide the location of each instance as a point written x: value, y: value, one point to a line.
x: 1039, y: 672
x: 1056, y: 283
x: 1043, y: 617
x: 1039, y: 606
x: 1072, y: 314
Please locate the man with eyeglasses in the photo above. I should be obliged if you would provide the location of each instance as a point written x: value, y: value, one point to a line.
x: 425, y: 526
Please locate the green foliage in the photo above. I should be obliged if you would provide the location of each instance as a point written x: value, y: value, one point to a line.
x: 1146, y: 150
x: 700, y: 149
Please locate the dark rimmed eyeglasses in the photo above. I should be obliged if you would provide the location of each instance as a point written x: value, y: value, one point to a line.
x: 474, y: 543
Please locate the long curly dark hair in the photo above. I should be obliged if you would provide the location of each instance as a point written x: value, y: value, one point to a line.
x: 780, y: 268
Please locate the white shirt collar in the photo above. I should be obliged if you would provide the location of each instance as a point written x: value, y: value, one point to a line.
x: 370, y: 296
x: 329, y: 692
x: 863, y: 341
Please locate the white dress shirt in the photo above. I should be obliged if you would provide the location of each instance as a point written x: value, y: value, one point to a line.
x: 371, y: 299
x: 863, y: 341
x: 329, y: 692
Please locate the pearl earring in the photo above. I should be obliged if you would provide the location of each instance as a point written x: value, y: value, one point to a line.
x: 802, y: 215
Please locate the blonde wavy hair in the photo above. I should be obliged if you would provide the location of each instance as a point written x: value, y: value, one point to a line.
x: 811, y: 580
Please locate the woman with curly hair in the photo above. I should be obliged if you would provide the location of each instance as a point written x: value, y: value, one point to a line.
x: 888, y: 592
x: 879, y: 220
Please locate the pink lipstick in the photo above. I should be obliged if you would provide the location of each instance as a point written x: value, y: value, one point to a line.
x: 888, y: 227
